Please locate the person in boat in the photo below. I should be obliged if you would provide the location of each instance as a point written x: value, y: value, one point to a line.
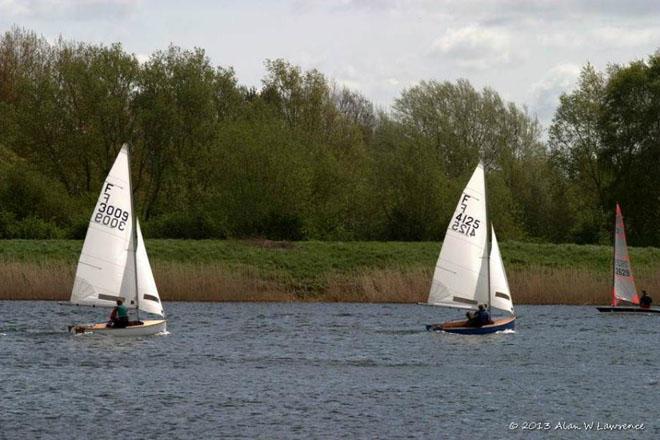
x: 479, y: 318
x: 119, y: 316
x: 645, y: 301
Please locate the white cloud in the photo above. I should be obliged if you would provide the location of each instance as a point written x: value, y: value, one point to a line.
x: 474, y: 47
x: 622, y: 37
x: 13, y: 8
x: 544, y: 94
x: 68, y: 9
x: 142, y: 58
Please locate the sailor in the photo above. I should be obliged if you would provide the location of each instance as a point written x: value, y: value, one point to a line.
x: 119, y: 316
x: 478, y: 318
x: 645, y: 301
x: 482, y: 317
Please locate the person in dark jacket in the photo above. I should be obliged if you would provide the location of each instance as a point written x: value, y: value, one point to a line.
x: 483, y: 317
x: 645, y: 301
x: 479, y: 318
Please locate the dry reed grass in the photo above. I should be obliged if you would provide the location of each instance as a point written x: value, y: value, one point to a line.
x: 42, y: 281
x: 212, y: 282
x: 543, y: 285
x: 378, y: 285
x: 215, y: 282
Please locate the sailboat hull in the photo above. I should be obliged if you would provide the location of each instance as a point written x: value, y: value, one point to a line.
x: 461, y: 327
x: 147, y: 328
x: 627, y: 309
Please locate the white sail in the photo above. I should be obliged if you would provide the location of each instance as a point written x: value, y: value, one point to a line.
x: 460, y: 278
x: 101, y: 276
x: 624, y: 282
x: 149, y: 298
x: 500, y: 295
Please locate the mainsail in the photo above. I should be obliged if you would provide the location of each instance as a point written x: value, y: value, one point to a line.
x: 460, y: 279
x: 101, y: 277
x: 500, y: 295
x: 624, y: 283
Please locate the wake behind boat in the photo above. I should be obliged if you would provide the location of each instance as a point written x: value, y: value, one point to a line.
x: 113, y: 264
x: 624, y: 292
x: 467, y: 274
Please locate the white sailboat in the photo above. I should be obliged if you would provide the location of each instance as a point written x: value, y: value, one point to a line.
x: 624, y: 292
x: 467, y: 274
x: 113, y: 263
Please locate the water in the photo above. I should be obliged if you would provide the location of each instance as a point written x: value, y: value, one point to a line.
x: 283, y: 371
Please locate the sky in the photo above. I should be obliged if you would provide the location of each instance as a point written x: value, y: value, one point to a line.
x: 528, y: 51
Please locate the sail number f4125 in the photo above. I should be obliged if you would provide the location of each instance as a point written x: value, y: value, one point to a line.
x: 463, y: 223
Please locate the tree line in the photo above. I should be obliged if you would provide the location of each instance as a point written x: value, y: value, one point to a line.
x: 302, y: 158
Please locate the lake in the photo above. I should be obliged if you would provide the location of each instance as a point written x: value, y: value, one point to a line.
x: 307, y: 371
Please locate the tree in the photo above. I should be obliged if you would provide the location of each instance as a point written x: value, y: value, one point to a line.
x: 462, y: 126
x: 577, y: 152
x: 630, y: 131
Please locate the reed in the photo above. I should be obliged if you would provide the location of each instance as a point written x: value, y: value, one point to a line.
x: 403, y: 285
x: 262, y: 270
x: 215, y: 282
x: 37, y: 281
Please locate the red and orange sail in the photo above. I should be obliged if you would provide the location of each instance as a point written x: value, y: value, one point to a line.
x: 624, y: 289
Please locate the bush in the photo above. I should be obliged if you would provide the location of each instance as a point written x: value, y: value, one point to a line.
x: 35, y: 228
x: 184, y: 225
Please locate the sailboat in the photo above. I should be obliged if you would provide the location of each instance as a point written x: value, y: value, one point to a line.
x: 470, y: 271
x: 113, y: 263
x: 624, y: 292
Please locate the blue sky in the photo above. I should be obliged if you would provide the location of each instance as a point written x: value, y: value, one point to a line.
x: 529, y: 51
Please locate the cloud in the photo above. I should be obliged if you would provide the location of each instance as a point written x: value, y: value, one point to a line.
x: 68, y: 9
x: 492, y: 11
x: 619, y: 37
x: 544, y: 95
x: 474, y: 47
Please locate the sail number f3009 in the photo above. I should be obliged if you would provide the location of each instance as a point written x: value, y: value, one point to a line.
x: 463, y: 223
x: 109, y: 215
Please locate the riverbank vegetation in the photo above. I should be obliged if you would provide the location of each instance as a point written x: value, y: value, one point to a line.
x: 302, y: 158
x: 264, y: 270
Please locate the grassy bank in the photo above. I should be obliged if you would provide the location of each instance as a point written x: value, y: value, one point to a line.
x: 262, y: 270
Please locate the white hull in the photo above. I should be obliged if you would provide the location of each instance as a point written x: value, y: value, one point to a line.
x: 147, y: 328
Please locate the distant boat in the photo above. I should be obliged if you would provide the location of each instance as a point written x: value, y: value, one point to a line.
x: 113, y: 263
x: 624, y: 293
x: 466, y: 273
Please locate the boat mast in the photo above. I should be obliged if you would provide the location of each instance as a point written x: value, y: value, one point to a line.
x: 487, y: 236
x: 135, y: 237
